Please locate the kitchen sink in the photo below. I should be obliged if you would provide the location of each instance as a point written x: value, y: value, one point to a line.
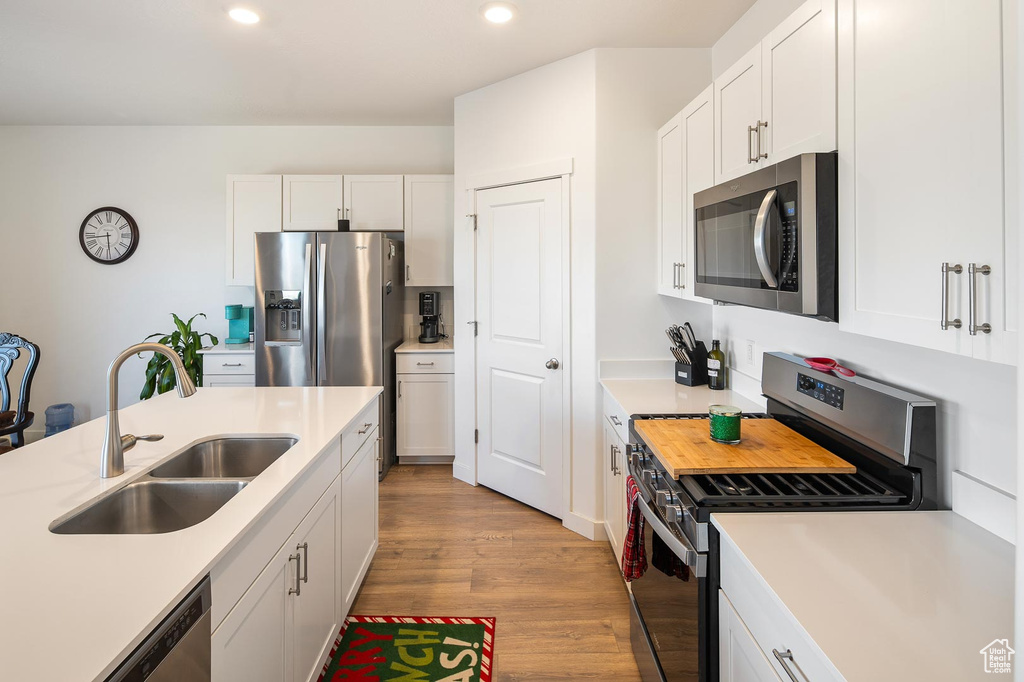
x: 225, y: 458
x: 151, y: 506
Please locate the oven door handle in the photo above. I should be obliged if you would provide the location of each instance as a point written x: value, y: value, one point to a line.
x: 761, y: 238
x: 679, y: 546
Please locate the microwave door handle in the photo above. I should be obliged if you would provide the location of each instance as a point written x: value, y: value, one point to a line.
x: 307, y: 341
x: 761, y: 238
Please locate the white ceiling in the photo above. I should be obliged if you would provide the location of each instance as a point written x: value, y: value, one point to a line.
x: 354, y: 62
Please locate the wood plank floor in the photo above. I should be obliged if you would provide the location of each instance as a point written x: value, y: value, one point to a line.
x: 449, y: 549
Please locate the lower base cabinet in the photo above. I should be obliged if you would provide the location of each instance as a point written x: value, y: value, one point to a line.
x: 614, y: 461
x: 359, y: 503
x: 288, y: 619
x: 739, y: 657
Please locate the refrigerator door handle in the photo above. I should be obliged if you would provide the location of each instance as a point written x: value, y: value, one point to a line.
x: 321, y: 311
x: 307, y: 341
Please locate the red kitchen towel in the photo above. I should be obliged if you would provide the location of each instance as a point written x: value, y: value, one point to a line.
x: 634, y: 558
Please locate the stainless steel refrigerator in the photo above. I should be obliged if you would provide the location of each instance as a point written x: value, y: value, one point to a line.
x: 329, y: 309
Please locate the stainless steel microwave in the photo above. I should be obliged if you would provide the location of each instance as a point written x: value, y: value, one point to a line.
x: 769, y: 239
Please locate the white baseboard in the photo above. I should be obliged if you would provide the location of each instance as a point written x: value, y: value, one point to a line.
x: 991, y: 508
x: 588, y: 528
x: 426, y: 459
x: 463, y: 473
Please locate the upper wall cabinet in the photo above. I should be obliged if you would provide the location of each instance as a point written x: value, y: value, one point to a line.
x: 429, y: 230
x: 312, y: 202
x: 373, y: 203
x: 922, y: 181
x: 686, y: 164
x: 253, y: 205
x: 779, y: 100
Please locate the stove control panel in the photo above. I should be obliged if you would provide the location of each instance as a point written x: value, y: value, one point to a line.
x: 820, y: 390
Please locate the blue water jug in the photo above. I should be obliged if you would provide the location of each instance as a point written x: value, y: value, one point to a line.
x: 59, y: 418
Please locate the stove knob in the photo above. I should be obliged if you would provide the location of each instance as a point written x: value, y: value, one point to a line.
x: 664, y: 497
x: 650, y: 477
x: 806, y: 383
x: 674, y: 513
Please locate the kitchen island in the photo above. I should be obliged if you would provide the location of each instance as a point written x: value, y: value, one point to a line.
x: 76, y: 605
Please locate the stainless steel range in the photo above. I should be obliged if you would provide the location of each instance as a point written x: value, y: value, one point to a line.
x: 887, y: 433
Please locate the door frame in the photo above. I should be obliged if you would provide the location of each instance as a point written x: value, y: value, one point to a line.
x: 560, y: 169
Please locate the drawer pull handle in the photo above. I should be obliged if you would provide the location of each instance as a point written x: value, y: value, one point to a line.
x: 616, y: 420
x: 232, y: 364
x: 366, y: 427
x: 297, y: 558
x: 424, y: 364
x: 782, y: 657
x: 305, y: 560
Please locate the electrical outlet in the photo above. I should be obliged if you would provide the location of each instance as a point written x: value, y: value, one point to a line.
x: 750, y: 352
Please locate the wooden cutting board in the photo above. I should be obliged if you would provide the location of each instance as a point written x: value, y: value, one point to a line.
x: 684, y: 447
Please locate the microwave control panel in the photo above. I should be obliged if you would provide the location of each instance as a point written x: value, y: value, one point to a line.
x: 820, y: 390
x: 790, y: 280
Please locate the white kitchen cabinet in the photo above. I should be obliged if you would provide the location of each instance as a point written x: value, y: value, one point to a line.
x: 429, y: 230
x: 317, y: 604
x: 426, y: 411
x: 901, y: 168
x: 615, y: 469
x: 312, y: 203
x: 222, y: 367
x: 359, y: 498
x: 285, y: 623
x: 670, y: 206
x: 686, y: 164
x: 253, y: 205
x: 779, y: 100
x: 738, y: 117
x: 798, y: 71
x: 374, y: 203
x: 253, y: 642
x: 739, y: 658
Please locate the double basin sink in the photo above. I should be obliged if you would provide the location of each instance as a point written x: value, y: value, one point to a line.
x: 181, y: 492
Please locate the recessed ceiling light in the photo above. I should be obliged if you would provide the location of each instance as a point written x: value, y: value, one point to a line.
x: 498, y: 12
x: 244, y: 16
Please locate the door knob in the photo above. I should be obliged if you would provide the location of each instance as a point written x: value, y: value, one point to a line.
x: 552, y: 363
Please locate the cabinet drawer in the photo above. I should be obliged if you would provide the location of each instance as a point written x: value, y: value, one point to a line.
x: 229, y: 363
x: 768, y: 620
x: 616, y: 417
x: 358, y: 431
x: 425, y: 363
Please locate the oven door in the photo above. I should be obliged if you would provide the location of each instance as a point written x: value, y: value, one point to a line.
x: 668, y: 631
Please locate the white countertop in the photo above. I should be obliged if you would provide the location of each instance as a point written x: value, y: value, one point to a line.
x: 885, y: 595
x: 665, y: 396
x: 414, y: 346
x: 229, y: 348
x: 74, y: 605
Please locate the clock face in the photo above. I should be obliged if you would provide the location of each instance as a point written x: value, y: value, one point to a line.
x: 109, y: 235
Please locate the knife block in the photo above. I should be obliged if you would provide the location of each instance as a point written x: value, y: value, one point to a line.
x: 695, y: 374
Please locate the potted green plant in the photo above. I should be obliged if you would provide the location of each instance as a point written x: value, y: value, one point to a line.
x: 186, y: 343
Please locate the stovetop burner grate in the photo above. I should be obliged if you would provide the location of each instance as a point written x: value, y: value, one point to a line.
x: 728, y: 489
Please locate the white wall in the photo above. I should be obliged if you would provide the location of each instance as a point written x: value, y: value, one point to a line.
x: 638, y: 91
x: 171, y: 180
x: 542, y: 115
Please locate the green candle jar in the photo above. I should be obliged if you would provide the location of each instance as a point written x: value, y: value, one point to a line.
x: 725, y: 423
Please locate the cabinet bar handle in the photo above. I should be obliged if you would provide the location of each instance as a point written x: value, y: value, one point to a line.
x: 232, y: 364
x: 305, y: 560
x: 424, y: 364
x: 682, y: 282
x: 782, y: 657
x: 761, y: 155
x: 615, y: 420
x: 614, y: 457
x: 366, y: 427
x: 972, y: 299
x: 399, y: 389
x: 297, y: 558
x: 407, y: 275
x: 750, y: 149
x: 944, y: 322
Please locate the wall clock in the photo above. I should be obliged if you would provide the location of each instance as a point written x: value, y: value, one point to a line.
x: 109, y: 235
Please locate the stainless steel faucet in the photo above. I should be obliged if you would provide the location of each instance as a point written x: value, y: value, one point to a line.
x: 114, y: 445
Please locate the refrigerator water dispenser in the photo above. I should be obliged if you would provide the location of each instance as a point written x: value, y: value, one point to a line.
x: 284, y: 316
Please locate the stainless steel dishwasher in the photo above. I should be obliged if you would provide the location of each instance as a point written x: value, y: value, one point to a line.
x: 178, y: 650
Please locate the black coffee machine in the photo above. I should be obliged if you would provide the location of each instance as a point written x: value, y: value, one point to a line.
x: 430, y: 309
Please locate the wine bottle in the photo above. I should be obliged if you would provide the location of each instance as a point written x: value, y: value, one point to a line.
x: 716, y: 367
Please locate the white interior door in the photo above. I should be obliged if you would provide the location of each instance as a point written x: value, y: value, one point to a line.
x: 520, y: 349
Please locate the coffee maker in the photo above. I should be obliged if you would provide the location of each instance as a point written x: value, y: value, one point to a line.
x: 430, y: 309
